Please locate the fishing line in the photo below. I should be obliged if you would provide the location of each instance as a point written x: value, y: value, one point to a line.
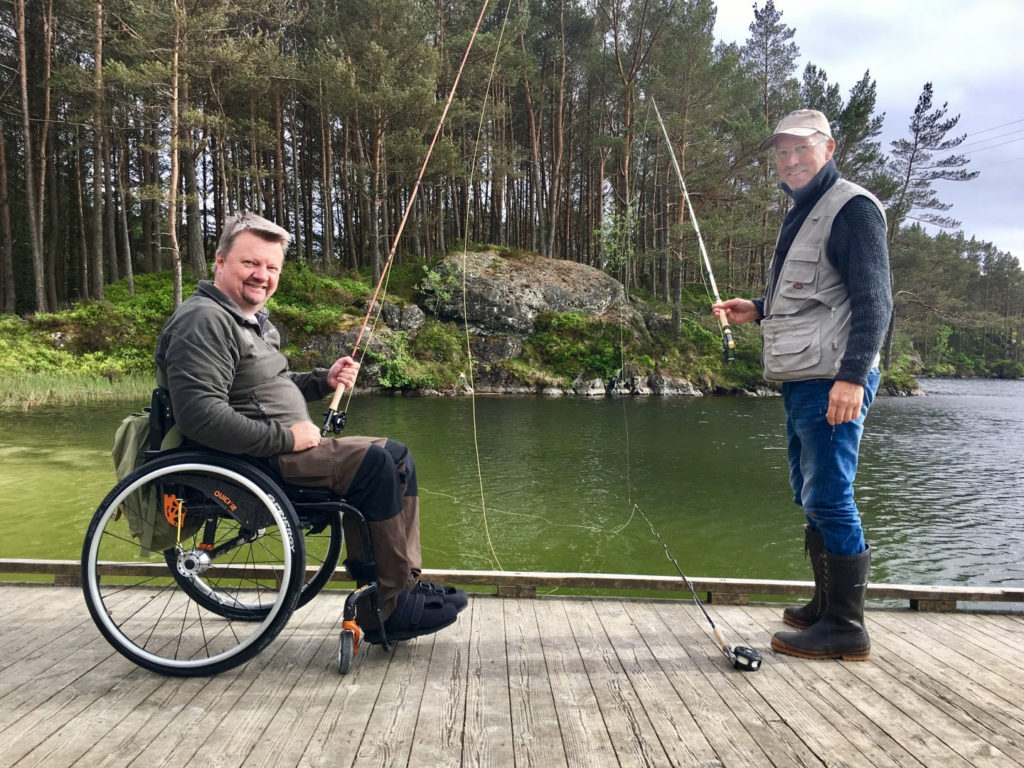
x: 465, y: 307
x: 741, y: 657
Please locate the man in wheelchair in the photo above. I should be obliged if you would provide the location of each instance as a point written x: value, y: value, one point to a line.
x: 230, y: 388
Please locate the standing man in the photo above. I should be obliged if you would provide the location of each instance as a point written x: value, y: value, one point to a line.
x: 823, y: 320
x: 231, y: 390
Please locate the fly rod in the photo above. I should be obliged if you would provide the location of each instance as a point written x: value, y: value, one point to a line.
x: 334, y: 419
x: 728, y: 345
x: 742, y: 658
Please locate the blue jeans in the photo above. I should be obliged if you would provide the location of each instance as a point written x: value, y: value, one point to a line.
x: 823, y: 461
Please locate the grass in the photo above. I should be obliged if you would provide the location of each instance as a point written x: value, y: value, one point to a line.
x: 27, y: 390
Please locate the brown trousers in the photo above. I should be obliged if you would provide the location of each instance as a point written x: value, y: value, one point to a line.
x: 377, y: 476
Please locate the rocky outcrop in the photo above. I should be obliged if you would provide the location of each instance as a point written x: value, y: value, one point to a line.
x: 499, y: 298
x: 505, y: 294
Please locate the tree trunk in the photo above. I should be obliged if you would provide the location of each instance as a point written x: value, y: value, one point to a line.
x: 279, y: 212
x: 83, y: 246
x: 296, y: 194
x: 109, y: 213
x: 97, y: 161
x: 38, y: 267
x: 172, y: 192
x: 8, y: 294
x: 326, y: 181
x: 126, y: 251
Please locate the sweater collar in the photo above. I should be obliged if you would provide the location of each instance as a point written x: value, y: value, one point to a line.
x: 815, y: 188
x: 211, y: 291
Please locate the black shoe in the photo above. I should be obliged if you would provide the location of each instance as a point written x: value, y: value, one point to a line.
x: 456, y: 597
x: 417, y: 613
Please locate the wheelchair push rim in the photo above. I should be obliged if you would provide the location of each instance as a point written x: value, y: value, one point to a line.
x: 138, y: 602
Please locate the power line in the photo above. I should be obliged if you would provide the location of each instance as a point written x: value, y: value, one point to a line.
x: 994, y: 138
x: 997, y: 127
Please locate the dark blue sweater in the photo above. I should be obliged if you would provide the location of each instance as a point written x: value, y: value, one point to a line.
x: 857, y: 249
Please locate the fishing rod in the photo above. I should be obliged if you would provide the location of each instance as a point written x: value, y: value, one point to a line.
x: 334, y: 420
x: 728, y: 345
x: 742, y: 658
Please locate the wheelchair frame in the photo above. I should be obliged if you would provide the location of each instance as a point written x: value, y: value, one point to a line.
x: 236, y: 570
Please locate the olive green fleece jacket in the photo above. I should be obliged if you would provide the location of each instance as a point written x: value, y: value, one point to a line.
x: 230, y: 386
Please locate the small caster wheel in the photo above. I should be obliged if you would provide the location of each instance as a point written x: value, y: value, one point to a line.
x: 348, y: 646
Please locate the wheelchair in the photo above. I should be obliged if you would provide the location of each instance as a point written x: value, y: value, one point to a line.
x: 195, y: 561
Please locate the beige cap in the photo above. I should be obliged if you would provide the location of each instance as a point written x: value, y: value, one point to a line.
x: 803, y: 122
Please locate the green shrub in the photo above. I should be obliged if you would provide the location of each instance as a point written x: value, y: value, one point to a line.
x: 1007, y: 369
x: 572, y: 344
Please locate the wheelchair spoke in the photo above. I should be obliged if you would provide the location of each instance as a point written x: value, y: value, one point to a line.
x: 172, y: 604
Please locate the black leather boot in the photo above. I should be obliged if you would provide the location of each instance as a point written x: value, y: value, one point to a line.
x: 840, y: 632
x: 803, y: 616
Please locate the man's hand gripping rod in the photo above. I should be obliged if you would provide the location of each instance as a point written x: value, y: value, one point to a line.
x: 728, y: 345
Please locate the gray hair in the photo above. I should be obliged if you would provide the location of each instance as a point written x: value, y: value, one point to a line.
x: 264, y: 228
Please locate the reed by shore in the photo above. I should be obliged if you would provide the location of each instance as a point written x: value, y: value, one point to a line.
x: 28, y: 390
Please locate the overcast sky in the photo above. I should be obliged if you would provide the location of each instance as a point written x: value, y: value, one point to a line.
x: 973, y: 54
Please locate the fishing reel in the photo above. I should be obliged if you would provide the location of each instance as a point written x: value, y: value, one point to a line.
x: 334, y: 421
x: 728, y: 349
x: 745, y: 659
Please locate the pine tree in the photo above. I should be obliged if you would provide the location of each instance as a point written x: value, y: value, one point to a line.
x: 916, y: 170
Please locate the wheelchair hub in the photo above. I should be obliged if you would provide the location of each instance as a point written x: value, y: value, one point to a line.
x: 193, y: 563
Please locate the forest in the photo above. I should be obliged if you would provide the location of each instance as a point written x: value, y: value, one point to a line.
x: 131, y: 128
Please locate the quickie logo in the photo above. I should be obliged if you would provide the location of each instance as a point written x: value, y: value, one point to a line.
x: 227, y: 501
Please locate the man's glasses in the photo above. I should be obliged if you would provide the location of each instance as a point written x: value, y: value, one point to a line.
x: 799, y: 150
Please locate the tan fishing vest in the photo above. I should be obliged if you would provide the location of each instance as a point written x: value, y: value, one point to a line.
x: 806, y: 321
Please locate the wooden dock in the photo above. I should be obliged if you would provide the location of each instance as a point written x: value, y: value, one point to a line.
x: 520, y: 681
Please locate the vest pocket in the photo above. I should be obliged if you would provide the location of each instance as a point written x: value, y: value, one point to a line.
x: 799, y: 277
x: 792, y: 349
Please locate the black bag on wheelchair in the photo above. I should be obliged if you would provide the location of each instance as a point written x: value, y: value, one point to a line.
x: 139, y: 434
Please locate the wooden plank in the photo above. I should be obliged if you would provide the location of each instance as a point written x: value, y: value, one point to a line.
x: 932, y: 643
x: 488, y: 739
x: 536, y: 741
x: 338, y: 733
x: 677, y: 731
x: 781, y: 745
x: 1001, y: 648
x: 388, y: 732
x: 876, y: 693
x: 975, y: 709
x: 585, y: 740
x: 520, y: 583
x: 843, y: 735
x: 580, y: 682
x: 632, y: 734
x: 440, y: 728
x: 679, y: 658
x: 308, y: 699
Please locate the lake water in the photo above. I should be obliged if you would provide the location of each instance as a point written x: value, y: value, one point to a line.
x: 559, y: 482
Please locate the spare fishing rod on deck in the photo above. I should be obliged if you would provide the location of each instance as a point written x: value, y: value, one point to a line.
x: 728, y: 345
x: 742, y: 658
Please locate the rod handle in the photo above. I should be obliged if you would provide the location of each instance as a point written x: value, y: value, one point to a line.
x: 728, y: 345
x: 332, y: 423
x: 720, y: 639
x: 338, y: 392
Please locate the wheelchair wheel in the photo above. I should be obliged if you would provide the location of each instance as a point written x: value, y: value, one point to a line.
x: 323, y: 540
x: 236, y: 544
